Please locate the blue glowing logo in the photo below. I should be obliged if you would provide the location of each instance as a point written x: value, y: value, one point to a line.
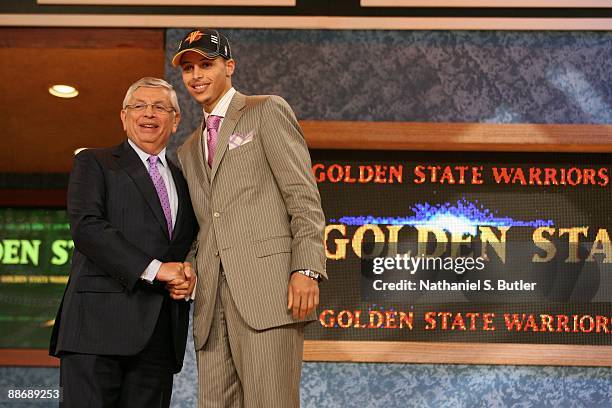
x: 462, y: 217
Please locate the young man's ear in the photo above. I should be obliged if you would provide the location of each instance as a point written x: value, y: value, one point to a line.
x: 230, y: 64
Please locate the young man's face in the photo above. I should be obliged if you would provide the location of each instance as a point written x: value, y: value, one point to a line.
x: 207, y: 80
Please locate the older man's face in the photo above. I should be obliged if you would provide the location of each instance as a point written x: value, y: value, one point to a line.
x: 151, y: 127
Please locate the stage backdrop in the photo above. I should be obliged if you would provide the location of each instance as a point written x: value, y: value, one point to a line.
x: 429, y: 76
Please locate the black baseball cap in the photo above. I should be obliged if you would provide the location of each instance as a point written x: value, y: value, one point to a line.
x: 209, y: 43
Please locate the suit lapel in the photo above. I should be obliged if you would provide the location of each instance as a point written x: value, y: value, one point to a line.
x: 196, y: 150
x: 234, y: 111
x: 135, y: 169
x: 181, y: 191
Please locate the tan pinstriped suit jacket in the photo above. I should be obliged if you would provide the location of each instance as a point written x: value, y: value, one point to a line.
x: 259, y: 212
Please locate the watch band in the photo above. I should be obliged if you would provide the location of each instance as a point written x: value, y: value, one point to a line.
x: 311, y: 274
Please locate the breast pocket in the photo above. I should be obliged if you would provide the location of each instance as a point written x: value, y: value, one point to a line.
x: 242, y: 149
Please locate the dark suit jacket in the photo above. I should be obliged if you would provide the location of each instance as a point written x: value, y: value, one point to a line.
x: 118, y: 228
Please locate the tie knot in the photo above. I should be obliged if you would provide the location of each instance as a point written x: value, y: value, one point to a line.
x: 152, y: 160
x: 213, y: 122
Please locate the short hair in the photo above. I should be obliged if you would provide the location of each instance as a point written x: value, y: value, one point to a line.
x: 150, y: 82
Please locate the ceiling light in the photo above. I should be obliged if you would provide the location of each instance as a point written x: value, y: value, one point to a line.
x: 63, y: 91
x: 79, y: 150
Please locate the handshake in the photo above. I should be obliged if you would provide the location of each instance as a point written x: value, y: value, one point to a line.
x: 179, y: 277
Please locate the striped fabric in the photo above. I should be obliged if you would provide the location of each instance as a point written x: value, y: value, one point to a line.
x: 260, y: 218
x: 259, y: 213
x: 235, y: 353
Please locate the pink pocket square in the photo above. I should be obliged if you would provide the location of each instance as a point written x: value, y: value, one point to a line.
x: 237, y: 140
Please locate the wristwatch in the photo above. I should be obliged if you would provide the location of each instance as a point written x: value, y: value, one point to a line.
x: 311, y: 274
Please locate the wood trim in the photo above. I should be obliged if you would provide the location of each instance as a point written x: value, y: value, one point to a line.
x: 27, y: 358
x: 33, y: 198
x: 31, y: 37
x: 250, y: 3
x: 489, y: 3
x: 457, y: 353
x: 304, y: 22
x: 458, y: 136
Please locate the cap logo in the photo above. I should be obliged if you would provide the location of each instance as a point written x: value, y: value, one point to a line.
x: 214, y: 39
x: 194, y: 36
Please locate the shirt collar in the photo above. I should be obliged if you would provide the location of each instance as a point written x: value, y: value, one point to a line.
x: 144, y: 156
x: 221, y: 108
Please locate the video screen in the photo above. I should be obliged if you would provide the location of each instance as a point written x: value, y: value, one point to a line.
x: 466, y: 247
x: 35, y: 253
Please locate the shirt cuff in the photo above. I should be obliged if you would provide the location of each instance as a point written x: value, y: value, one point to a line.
x: 150, y: 273
x: 192, y: 296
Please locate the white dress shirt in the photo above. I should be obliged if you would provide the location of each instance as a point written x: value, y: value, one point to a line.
x: 150, y: 272
x: 219, y: 110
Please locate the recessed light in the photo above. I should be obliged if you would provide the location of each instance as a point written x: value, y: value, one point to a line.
x: 79, y: 150
x: 63, y: 91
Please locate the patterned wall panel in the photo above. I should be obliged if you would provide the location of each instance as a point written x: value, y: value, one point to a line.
x: 424, y: 76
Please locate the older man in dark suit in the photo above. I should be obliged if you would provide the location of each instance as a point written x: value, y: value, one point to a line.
x: 121, y: 328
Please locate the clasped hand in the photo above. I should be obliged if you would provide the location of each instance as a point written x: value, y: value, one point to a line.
x: 179, y: 277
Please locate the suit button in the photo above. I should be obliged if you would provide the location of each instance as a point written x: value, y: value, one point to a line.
x: 216, y: 215
x: 216, y: 253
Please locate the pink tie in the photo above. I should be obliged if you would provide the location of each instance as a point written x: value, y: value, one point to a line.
x: 162, y: 193
x: 212, y: 126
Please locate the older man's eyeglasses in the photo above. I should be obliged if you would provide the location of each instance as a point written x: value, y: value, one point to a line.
x: 156, y: 107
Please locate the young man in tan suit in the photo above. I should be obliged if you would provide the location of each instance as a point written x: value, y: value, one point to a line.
x: 260, y: 253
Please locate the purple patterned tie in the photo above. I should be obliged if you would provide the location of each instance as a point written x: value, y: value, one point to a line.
x: 162, y: 193
x: 212, y: 125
